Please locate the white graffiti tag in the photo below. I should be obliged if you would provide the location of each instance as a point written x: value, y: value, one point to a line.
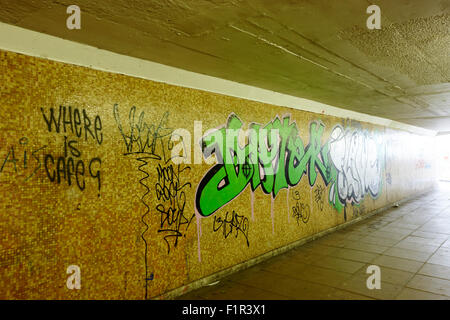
x: 354, y: 153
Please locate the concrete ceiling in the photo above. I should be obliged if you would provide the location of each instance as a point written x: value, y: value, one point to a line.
x: 316, y: 49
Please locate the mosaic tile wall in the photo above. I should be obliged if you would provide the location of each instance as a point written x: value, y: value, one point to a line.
x: 96, y: 172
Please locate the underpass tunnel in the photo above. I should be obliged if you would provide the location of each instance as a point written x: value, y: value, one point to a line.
x: 224, y: 150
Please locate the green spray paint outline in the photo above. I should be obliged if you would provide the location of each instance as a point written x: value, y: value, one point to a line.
x: 313, y: 155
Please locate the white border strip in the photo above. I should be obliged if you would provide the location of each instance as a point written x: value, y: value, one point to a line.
x: 41, y: 45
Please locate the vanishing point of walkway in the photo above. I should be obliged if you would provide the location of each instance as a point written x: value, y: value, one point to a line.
x: 410, y: 244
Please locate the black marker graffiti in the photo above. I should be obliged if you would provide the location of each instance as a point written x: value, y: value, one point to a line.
x: 233, y: 222
x: 319, y: 196
x: 11, y: 160
x: 153, y: 142
x: 144, y: 162
x: 70, y: 167
x: 169, y: 190
x: 300, y: 211
x: 78, y: 121
x: 143, y: 137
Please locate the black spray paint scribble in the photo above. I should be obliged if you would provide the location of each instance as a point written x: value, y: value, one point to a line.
x: 232, y: 223
x: 170, y: 192
x: 145, y: 138
x: 147, y: 142
x: 300, y: 211
x: 29, y: 158
x: 144, y: 162
x: 319, y: 196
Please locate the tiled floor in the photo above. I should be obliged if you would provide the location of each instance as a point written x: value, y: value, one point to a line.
x: 410, y: 244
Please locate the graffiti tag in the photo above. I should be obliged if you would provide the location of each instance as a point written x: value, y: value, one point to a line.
x: 233, y: 222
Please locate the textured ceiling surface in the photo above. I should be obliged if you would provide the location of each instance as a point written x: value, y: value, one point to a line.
x: 316, y: 49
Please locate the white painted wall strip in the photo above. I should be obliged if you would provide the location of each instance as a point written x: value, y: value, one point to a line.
x: 41, y: 45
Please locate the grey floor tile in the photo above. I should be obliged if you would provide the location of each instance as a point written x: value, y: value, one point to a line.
x: 289, y: 267
x: 237, y: 291
x: 379, y: 241
x: 435, y: 270
x: 354, y: 255
x: 389, y: 235
x: 305, y: 257
x: 366, y: 247
x: 430, y: 284
x: 338, y: 264
x: 393, y: 276
x: 437, y: 228
x: 405, y: 244
x: 358, y: 284
x: 321, y: 249
x: 321, y: 275
x: 441, y: 256
x: 338, y: 294
x: 400, y: 231
x: 429, y: 235
x: 332, y: 241
x: 425, y: 241
x: 398, y: 263
x: 402, y: 225
x: 408, y: 254
x: 412, y: 294
x: 288, y: 286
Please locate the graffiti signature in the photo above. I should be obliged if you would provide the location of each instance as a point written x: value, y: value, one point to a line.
x: 235, y: 222
x: 300, y: 211
x: 11, y: 157
x: 318, y: 196
x: 147, y: 142
x: 143, y: 137
x: 172, y: 197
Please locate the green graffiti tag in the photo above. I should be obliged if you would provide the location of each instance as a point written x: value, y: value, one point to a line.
x: 273, y: 158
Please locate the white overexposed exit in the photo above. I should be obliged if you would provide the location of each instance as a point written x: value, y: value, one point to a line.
x: 443, y: 144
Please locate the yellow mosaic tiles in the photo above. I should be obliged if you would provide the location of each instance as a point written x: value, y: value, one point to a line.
x: 87, y: 178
